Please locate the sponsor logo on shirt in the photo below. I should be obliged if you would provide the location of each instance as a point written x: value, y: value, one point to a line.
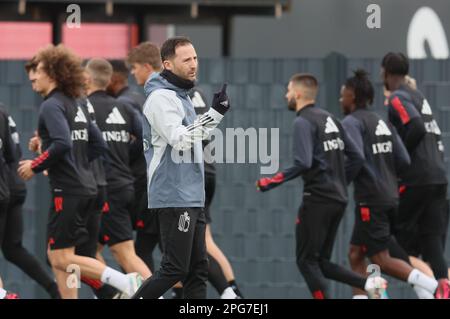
x: 198, y: 101
x: 80, y: 118
x: 115, y: 117
x: 116, y: 136
x: 330, y: 126
x: 80, y: 135
x: 426, y: 109
x: 382, y: 129
x: 333, y: 145
x: 382, y: 148
x: 11, y: 122
x: 432, y: 127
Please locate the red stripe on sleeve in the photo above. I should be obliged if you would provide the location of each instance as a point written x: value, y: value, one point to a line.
x: 39, y: 160
x: 401, y: 110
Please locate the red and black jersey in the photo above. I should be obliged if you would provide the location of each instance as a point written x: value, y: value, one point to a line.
x: 412, y: 116
x: 120, y: 126
x: 7, y: 154
x: 135, y: 101
x: 16, y: 184
x: 385, y: 156
x: 69, y: 143
x: 324, y: 156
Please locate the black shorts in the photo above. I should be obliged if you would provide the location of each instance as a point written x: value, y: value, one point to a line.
x: 210, y: 187
x: 89, y: 248
x: 67, y: 220
x: 423, y: 210
x: 317, y: 224
x: 143, y: 220
x: 372, y: 229
x: 115, y: 226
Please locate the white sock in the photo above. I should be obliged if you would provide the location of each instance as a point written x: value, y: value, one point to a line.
x: 418, y: 278
x: 228, y: 294
x: 422, y: 293
x: 360, y: 297
x: 116, y: 279
x: 162, y: 297
x: 2, y: 293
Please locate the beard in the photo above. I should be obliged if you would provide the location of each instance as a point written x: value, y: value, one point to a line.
x: 292, y: 105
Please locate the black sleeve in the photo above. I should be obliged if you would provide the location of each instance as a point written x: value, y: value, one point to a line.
x: 407, y: 121
x: 401, y: 156
x: 354, y: 155
x: 97, y: 146
x: 415, y: 131
x: 59, y: 132
x: 303, y: 156
x: 136, y: 147
x: 9, y: 150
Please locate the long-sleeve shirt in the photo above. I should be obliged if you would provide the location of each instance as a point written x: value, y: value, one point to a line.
x: 69, y: 143
x: 7, y: 154
x: 16, y: 184
x: 384, y: 154
x: 324, y: 156
x: 412, y: 116
x: 118, y: 124
x: 138, y: 165
x: 173, y: 145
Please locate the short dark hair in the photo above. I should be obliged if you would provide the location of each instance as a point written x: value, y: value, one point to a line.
x: 395, y: 64
x: 306, y: 79
x: 170, y: 45
x: 100, y: 71
x: 145, y: 52
x: 120, y: 67
x: 309, y: 82
x: 362, y: 88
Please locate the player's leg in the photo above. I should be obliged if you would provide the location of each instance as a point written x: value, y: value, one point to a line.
x: 14, y: 252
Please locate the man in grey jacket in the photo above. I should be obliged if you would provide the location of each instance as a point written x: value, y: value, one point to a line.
x: 172, y: 136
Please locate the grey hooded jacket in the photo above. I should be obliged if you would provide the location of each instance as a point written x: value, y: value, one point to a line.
x: 172, y: 137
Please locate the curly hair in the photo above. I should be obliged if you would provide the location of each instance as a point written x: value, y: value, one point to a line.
x: 64, y: 67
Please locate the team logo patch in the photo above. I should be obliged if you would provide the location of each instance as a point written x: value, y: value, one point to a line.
x: 184, y: 222
x: 146, y: 145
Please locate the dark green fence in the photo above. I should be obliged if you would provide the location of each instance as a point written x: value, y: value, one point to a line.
x: 255, y: 230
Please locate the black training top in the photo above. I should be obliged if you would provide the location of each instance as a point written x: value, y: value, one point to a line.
x: 69, y: 143
x: 320, y: 148
x: 384, y: 153
x: 412, y: 116
x: 119, y: 125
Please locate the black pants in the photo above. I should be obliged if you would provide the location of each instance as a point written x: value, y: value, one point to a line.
x: 12, y: 246
x: 421, y: 224
x: 317, y: 225
x: 184, y: 254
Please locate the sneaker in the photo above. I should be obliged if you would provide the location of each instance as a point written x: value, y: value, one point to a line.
x: 376, y: 288
x: 135, y: 281
x: 443, y: 289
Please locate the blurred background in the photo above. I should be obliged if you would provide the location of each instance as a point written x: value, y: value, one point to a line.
x: 255, y: 46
